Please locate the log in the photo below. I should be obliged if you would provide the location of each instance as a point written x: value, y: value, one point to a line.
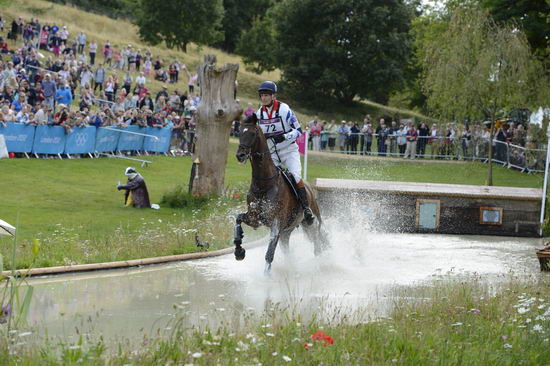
x: 217, y: 109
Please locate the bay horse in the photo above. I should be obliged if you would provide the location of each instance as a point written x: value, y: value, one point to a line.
x: 271, y: 200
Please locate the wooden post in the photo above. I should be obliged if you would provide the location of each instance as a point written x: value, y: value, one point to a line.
x: 216, y: 110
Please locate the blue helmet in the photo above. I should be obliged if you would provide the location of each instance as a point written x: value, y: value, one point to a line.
x: 267, y: 87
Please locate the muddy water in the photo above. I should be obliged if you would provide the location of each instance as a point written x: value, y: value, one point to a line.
x: 357, y: 273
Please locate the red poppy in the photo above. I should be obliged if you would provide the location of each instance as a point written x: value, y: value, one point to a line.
x: 320, y: 336
x: 308, y: 345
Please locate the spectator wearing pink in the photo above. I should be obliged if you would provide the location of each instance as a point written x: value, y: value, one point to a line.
x: 412, y: 136
x: 315, y: 132
x: 249, y: 111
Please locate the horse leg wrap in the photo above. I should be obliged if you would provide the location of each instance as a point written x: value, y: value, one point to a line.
x: 238, y: 239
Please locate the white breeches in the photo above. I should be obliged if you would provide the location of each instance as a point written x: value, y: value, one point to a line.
x: 290, y: 158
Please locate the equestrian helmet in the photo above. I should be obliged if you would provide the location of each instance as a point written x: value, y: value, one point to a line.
x: 267, y: 87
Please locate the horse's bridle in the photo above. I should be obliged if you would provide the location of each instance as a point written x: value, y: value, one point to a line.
x: 249, y: 155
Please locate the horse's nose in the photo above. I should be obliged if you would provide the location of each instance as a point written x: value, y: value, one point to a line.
x: 240, y: 156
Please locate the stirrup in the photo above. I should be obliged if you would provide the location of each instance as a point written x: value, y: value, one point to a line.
x: 308, y: 216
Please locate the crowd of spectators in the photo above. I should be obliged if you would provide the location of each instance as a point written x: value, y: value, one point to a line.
x: 419, y: 140
x: 49, y: 76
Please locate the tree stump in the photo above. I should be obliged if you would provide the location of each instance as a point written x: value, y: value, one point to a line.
x: 217, y: 109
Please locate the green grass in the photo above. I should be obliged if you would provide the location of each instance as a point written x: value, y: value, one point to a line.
x: 451, y: 321
x: 74, y: 209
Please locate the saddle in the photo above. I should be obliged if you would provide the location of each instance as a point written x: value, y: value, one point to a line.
x: 289, y: 179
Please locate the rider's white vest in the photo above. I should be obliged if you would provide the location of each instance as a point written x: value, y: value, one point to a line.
x: 279, y: 120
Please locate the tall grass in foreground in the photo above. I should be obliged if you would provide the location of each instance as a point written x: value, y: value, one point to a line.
x: 452, y: 321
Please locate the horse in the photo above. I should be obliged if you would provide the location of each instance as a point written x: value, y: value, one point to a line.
x: 270, y: 200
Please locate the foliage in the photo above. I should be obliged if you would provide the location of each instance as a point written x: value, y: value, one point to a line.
x: 181, y: 198
x: 476, y: 69
x: 341, y: 49
x: 531, y: 16
x: 179, y: 22
x: 238, y: 17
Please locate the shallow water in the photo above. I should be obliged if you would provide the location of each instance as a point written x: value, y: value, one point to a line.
x: 357, y: 273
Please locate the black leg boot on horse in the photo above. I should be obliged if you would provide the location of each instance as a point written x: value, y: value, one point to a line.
x: 302, y: 196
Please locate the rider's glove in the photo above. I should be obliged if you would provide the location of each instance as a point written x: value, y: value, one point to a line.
x: 278, y: 138
x: 119, y: 187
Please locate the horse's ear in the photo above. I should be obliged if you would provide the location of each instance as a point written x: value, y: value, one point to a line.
x: 252, y: 119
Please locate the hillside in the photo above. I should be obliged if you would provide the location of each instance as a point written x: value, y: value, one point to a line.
x: 121, y: 32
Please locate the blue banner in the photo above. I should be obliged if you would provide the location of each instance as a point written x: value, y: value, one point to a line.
x: 164, y: 136
x: 106, y: 140
x: 19, y: 137
x: 49, y: 140
x: 128, y: 141
x: 81, y: 140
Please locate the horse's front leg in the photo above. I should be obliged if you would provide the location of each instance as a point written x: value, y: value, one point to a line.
x: 273, y: 239
x: 240, y: 252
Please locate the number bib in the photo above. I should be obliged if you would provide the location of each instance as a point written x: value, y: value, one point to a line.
x: 271, y: 127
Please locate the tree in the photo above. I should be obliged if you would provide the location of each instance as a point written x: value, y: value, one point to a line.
x: 531, y: 16
x: 179, y: 22
x: 238, y: 17
x: 337, y: 48
x: 477, y: 68
x: 217, y: 109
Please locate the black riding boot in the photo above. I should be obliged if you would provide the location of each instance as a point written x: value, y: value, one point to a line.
x: 308, y: 215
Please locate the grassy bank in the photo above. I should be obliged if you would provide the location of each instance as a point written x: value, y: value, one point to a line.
x: 452, y: 321
x: 74, y: 209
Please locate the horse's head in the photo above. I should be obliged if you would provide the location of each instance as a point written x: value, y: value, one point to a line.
x: 249, y: 132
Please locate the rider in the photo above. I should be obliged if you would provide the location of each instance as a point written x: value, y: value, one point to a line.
x: 281, y: 127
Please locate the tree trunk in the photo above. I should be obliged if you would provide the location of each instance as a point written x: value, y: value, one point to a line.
x: 490, y: 161
x: 216, y: 110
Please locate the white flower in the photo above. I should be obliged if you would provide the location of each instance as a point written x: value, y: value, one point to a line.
x: 523, y: 310
x: 270, y: 334
x: 287, y: 359
x: 537, y: 328
x: 197, y: 355
x: 507, y: 345
x: 528, y: 320
x: 457, y: 324
x: 274, y: 354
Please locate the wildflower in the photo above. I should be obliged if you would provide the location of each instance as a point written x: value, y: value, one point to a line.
x: 196, y: 355
x: 507, y: 345
x: 270, y: 334
x: 523, y: 310
x: 308, y: 345
x: 274, y: 354
x: 287, y: 359
x: 537, y: 328
x: 457, y: 324
x: 476, y: 311
x: 321, y: 336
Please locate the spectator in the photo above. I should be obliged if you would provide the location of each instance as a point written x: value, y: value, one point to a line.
x: 343, y: 134
x: 412, y: 136
x: 99, y: 78
x: 315, y: 132
x: 367, y: 136
x: 64, y: 95
x: 92, y: 51
x: 382, y: 134
x: 81, y: 39
x: 401, y: 139
x: 423, y: 135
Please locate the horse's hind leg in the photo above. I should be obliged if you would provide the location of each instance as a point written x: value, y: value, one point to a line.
x: 284, y: 238
x: 270, y: 254
x: 318, y: 237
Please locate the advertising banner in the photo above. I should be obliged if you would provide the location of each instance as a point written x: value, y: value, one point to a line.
x: 81, y: 140
x: 49, y: 140
x: 18, y: 136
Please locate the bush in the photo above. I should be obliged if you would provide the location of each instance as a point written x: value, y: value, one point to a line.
x: 180, y: 198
